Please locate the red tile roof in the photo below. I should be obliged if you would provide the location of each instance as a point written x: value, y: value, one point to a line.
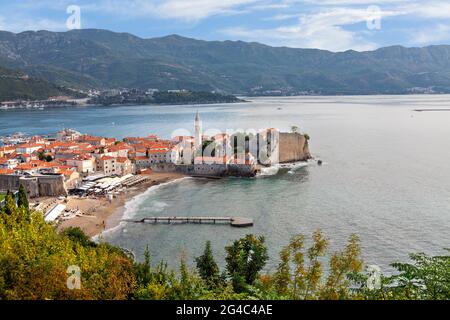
x: 107, y: 158
x: 122, y: 159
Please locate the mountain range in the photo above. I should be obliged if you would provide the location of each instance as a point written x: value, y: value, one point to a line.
x: 101, y: 59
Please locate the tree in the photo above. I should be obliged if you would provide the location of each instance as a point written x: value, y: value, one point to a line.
x: 143, y: 271
x: 282, y: 277
x: 41, y: 155
x: 10, y: 203
x: 303, y: 280
x: 34, y: 260
x: 77, y: 235
x: 426, y: 278
x: 207, y: 267
x: 48, y: 158
x: 245, y: 258
x: 23, y: 200
x: 341, y: 265
x: 294, y: 129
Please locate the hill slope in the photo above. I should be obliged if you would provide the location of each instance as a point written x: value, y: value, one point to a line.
x: 17, y: 86
x: 99, y: 58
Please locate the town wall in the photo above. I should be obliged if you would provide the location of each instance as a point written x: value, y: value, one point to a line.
x: 163, y: 167
x: 36, y: 186
x: 218, y: 170
x: 293, y: 147
x: 241, y: 170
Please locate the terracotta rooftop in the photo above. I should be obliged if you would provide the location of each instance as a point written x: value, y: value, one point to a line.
x: 6, y: 171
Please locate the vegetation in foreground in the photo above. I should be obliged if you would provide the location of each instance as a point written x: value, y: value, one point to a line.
x: 35, y: 259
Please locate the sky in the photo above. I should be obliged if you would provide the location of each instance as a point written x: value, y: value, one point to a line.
x: 335, y: 25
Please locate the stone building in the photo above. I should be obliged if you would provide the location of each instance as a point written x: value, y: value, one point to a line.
x: 106, y: 165
x: 51, y: 185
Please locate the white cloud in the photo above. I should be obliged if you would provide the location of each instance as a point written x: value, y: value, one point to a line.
x: 323, y: 30
x: 435, y: 34
x: 324, y: 26
x: 192, y: 10
x: 19, y: 24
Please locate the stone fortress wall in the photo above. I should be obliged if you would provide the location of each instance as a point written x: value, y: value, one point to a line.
x: 36, y: 186
x: 293, y: 147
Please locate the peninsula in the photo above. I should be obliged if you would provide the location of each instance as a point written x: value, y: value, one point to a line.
x: 81, y: 180
x: 23, y: 96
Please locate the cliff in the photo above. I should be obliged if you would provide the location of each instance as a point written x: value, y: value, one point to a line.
x: 293, y: 147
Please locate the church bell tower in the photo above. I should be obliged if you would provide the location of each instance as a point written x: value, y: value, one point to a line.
x: 198, y: 132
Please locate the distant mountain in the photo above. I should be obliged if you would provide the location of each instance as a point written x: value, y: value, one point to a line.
x: 15, y: 85
x: 104, y: 59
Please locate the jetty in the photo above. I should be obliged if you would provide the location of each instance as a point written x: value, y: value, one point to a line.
x: 237, y: 222
x: 432, y: 110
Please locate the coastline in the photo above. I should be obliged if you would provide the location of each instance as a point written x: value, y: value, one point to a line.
x: 89, y: 105
x: 101, y: 214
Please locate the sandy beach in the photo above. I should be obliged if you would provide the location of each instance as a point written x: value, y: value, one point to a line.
x: 100, y: 214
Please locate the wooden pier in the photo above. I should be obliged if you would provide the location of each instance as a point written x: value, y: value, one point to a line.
x: 237, y: 222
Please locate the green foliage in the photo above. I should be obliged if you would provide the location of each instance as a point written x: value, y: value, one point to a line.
x: 245, y: 259
x: 165, y: 97
x: 293, y: 278
x: 342, y: 264
x: 41, y: 155
x: 34, y: 260
x: 207, y: 267
x: 14, y: 86
x: 300, y: 273
x: 425, y: 278
x: 77, y: 235
x: 10, y: 204
x: 23, y: 199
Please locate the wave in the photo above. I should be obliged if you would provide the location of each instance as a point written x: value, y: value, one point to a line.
x: 269, y: 171
x: 131, y: 206
x: 158, y: 206
x: 275, y: 169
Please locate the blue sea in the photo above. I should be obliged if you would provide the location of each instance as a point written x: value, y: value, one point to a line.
x: 385, y: 176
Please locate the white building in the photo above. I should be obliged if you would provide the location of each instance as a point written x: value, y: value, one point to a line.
x: 84, y: 164
x: 198, y: 141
